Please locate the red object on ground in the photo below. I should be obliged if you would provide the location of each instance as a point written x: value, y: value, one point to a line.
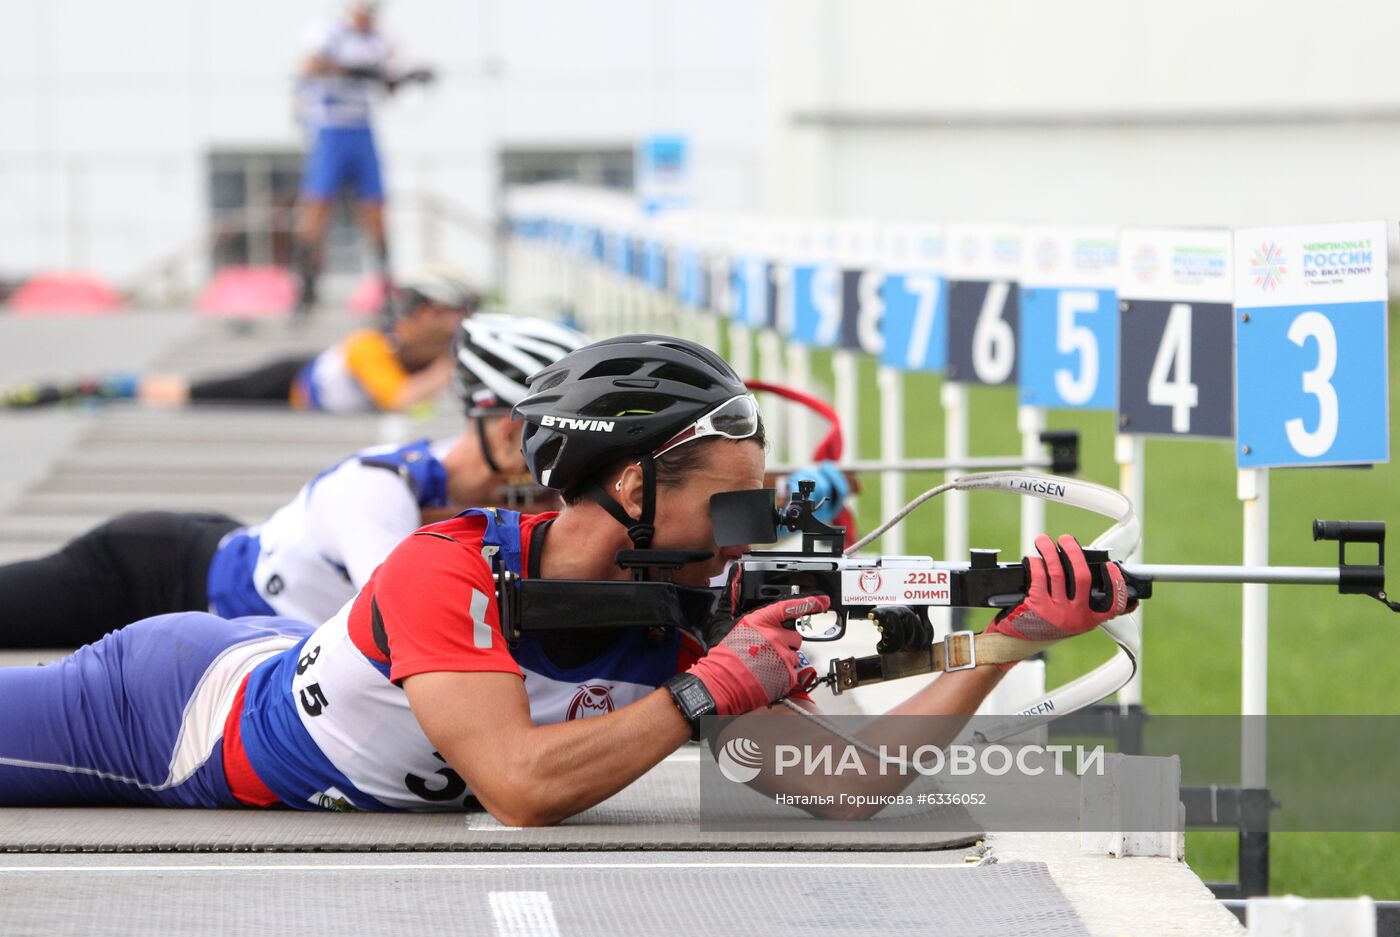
x: 248, y: 292
x: 64, y: 293
x: 368, y: 297
x: 832, y: 444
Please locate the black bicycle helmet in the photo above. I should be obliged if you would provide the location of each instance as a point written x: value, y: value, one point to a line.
x: 617, y: 398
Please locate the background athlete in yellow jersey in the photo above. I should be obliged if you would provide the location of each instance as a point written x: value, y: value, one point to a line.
x: 391, y: 368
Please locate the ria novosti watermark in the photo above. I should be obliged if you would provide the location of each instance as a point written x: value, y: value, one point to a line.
x: 741, y: 759
x: 771, y: 772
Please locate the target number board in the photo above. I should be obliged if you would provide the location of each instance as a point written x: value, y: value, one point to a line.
x: 1175, y: 363
x: 1310, y: 336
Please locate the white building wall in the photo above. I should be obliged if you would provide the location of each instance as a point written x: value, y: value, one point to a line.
x: 1190, y: 111
x: 108, y: 110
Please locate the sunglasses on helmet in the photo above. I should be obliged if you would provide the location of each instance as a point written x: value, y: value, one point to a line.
x: 736, y: 418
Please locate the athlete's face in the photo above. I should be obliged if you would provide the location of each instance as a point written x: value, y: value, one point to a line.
x: 440, y: 323
x: 428, y: 331
x: 683, y: 510
x: 503, y: 436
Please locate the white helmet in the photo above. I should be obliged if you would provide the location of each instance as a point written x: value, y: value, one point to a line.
x: 437, y: 283
x: 497, y: 353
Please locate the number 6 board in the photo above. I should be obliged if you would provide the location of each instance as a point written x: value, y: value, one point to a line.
x: 1310, y: 332
x: 1175, y: 368
x: 984, y: 269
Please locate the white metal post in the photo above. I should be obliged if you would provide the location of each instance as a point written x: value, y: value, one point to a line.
x: 891, y: 384
x: 845, y: 368
x: 954, y: 399
x: 741, y: 352
x: 1253, y: 490
x: 707, y: 326
x: 770, y: 368
x: 600, y: 322
x: 1130, y: 454
x: 799, y: 377
x: 1031, y: 422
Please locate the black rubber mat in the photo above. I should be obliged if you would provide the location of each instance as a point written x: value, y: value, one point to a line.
x: 659, y: 812
x: 1013, y: 898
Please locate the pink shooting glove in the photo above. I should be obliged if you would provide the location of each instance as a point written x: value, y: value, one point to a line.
x: 758, y: 661
x: 1054, y: 608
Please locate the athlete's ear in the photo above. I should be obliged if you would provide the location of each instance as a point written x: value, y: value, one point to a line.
x: 626, y: 490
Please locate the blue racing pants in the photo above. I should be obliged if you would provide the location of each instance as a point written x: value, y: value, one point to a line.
x: 342, y: 157
x: 136, y: 718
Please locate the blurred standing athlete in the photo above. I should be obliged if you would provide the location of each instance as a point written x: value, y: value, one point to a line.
x: 348, y: 62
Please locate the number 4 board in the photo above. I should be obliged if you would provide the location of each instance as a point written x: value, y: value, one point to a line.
x: 1175, y: 367
x: 1310, y: 332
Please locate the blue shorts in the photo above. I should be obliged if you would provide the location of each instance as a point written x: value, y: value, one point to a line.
x: 341, y: 157
x: 136, y: 718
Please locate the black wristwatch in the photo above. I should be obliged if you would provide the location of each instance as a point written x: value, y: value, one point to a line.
x: 692, y: 699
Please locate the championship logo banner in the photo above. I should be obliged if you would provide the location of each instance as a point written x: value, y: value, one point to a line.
x: 914, y: 294
x: 984, y: 269
x: 812, y: 286
x: 1310, y: 331
x: 1069, y: 318
x: 1175, y: 367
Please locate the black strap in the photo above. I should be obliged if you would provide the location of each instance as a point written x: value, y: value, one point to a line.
x: 532, y: 562
x: 642, y: 529
x: 648, y: 497
x: 486, y: 445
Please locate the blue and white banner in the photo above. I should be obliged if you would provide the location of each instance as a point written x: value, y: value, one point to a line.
x: 1310, y: 338
x: 914, y: 295
x: 816, y: 304
x: 1069, y: 318
x: 751, y: 291
x: 984, y: 270
x: 662, y: 168
x: 1175, y: 362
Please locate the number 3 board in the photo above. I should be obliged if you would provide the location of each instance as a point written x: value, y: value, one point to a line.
x: 1310, y: 333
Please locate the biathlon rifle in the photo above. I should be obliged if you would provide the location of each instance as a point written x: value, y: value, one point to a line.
x: 858, y: 584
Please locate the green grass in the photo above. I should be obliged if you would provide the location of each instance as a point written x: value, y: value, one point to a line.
x: 1328, y: 654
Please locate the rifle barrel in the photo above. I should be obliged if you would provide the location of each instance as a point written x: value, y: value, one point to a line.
x: 977, y: 463
x: 1169, y: 572
x: 1272, y: 575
